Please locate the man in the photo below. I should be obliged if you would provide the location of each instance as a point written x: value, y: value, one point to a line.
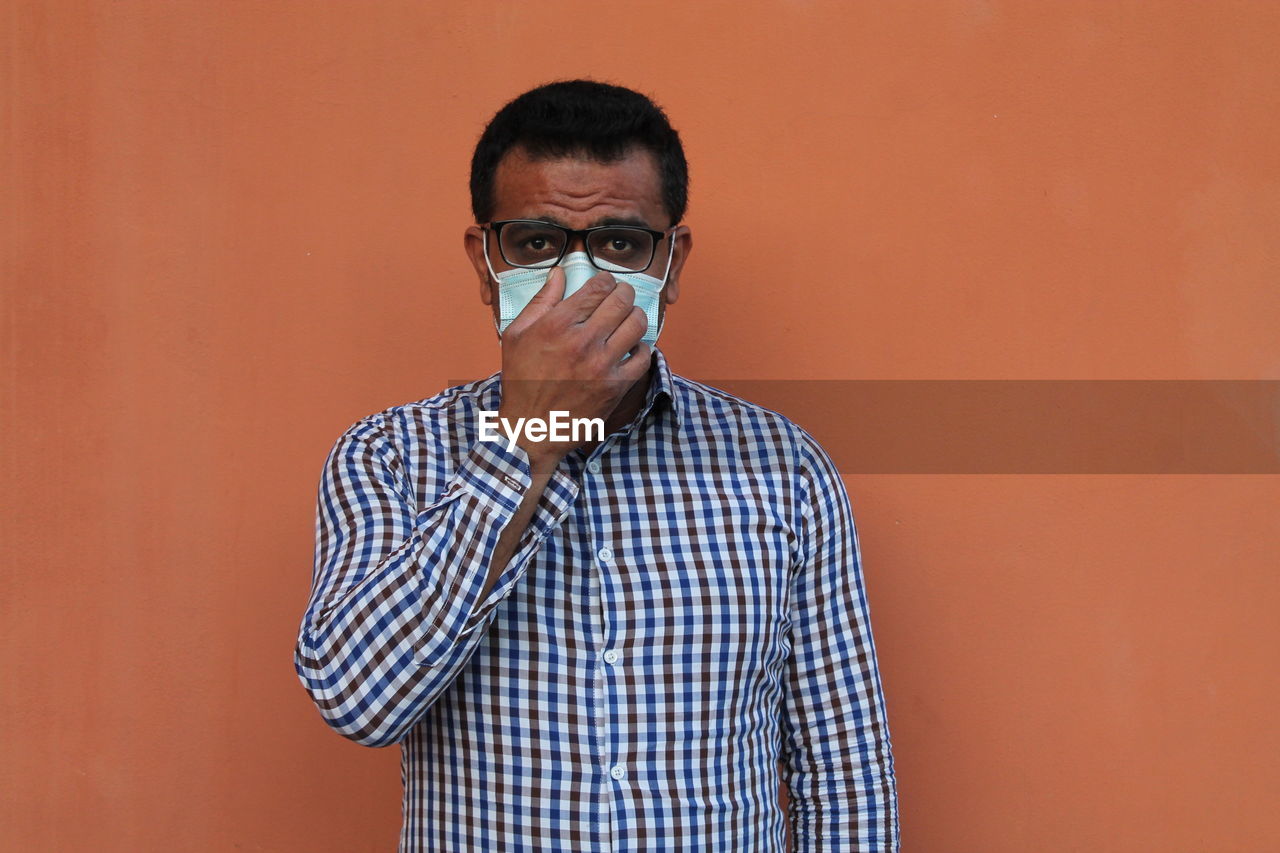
x: 597, y: 640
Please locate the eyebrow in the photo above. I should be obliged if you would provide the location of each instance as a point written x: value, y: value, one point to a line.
x: 608, y: 220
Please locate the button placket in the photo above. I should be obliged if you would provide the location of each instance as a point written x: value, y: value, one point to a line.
x: 603, y: 700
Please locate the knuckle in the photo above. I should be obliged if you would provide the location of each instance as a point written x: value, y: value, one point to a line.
x: 580, y: 346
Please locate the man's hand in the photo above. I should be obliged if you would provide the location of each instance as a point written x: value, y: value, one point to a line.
x: 567, y: 355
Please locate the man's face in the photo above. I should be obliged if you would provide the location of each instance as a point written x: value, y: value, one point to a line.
x: 577, y: 193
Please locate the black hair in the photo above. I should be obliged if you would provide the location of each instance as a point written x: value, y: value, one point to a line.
x: 569, y: 118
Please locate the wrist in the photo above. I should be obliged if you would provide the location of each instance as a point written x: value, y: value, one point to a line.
x: 543, y: 457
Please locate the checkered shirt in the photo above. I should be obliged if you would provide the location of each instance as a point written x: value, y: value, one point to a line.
x: 683, y: 626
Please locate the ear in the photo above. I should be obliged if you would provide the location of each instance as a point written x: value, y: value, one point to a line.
x: 473, y: 243
x: 683, y: 239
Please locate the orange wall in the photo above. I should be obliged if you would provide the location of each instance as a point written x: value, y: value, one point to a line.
x: 232, y: 229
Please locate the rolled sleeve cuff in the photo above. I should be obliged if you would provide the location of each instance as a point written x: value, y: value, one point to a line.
x: 498, y: 478
x: 554, y: 503
x: 492, y: 471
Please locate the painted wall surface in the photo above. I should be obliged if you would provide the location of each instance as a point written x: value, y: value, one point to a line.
x: 232, y: 229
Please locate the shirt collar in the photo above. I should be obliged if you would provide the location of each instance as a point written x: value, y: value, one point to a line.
x: 661, y: 394
x: 662, y: 389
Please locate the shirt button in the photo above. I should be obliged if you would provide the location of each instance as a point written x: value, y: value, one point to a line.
x: 611, y: 656
x: 594, y: 466
x: 605, y: 554
x: 618, y: 771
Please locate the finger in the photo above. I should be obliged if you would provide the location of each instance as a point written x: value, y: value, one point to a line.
x: 583, y: 304
x: 547, y: 297
x: 611, y: 312
x: 637, y: 365
x: 627, y: 334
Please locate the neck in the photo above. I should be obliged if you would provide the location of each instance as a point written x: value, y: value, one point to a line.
x: 629, y: 406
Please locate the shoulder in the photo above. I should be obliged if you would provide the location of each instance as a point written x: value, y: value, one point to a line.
x: 710, y: 406
x: 710, y: 409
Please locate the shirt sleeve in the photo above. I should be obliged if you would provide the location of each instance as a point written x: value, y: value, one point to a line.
x: 395, y: 608
x: 838, y: 763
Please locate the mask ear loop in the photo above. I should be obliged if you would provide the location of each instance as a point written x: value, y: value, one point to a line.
x: 671, y: 251
x: 484, y: 237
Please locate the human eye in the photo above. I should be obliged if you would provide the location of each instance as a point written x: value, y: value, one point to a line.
x: 627, y: 247
x: 531, y: 243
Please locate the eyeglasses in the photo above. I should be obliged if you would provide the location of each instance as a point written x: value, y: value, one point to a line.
x: 534, y: 244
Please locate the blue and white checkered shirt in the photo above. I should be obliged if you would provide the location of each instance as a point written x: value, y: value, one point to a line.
x: 683, y: 625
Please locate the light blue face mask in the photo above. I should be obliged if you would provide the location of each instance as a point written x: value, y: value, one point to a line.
x: 517, y: 287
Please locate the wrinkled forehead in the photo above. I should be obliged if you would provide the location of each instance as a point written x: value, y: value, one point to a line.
x: 575, y: 190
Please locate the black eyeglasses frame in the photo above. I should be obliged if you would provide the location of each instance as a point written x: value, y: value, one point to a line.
x: 496, y: 227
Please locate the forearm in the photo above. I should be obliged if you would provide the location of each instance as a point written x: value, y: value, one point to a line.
x: 839, y: 763
x: 512, y: 533
x: 379, y: 644
x: 850, y: 810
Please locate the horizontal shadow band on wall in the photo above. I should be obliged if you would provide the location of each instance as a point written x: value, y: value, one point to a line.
x: 1034, y: 426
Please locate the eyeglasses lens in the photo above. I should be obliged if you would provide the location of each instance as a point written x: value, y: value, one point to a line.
x: 528, y: 244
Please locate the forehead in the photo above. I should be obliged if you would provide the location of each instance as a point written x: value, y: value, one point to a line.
x: 578, y: 192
